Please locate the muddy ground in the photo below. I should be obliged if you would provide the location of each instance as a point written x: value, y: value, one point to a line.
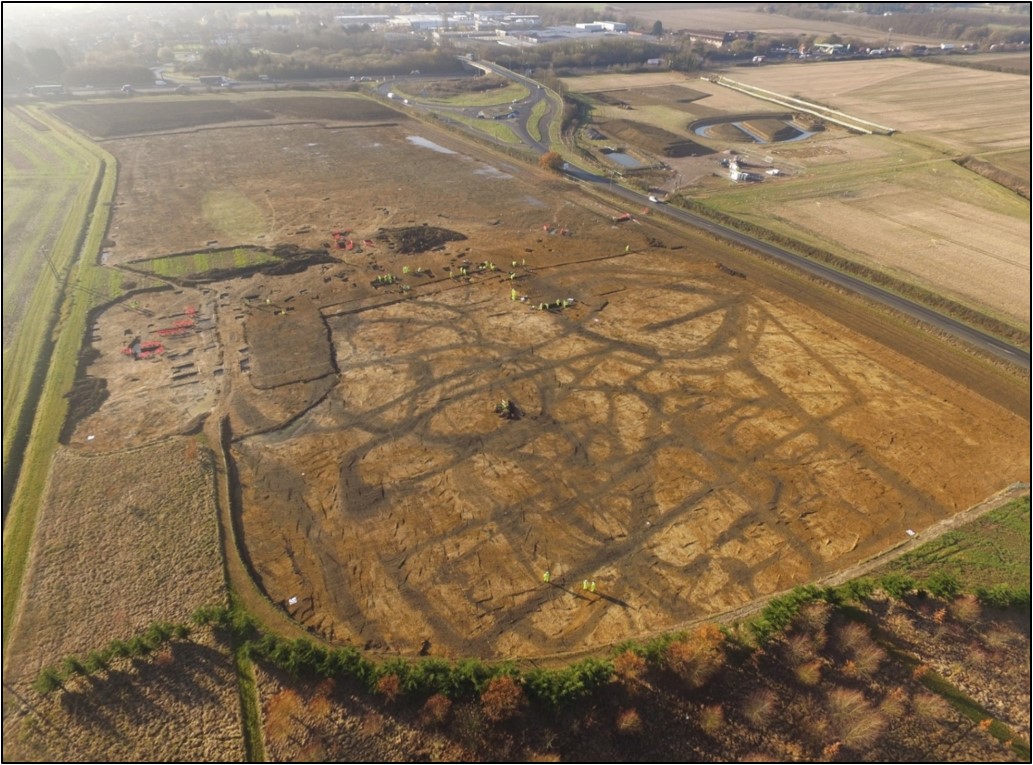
x: 686, y: 438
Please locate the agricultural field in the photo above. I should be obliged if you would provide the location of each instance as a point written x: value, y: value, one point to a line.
x: 754, y: 17
x: 963, y: 111
x: 47, y: 183
x: 688, y: 439
x: 1015, y: 63
x: 899, y: 203
x: 434, y: 375
x: 125, y: 538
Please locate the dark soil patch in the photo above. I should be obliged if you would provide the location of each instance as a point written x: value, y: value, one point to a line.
x: 411, y: 239
x: 772, y: 130
x: 87, y: 395
x: 728, y: 131
x: 113, y: 120
x: 339, y: 109
x: 668, y: 95
x: 289, y: 343
x: 654, y: 139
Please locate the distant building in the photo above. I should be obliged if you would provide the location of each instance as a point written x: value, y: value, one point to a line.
x: 602, y: 26
x: 371, y: 20
x: 560, y: 32
x: 48, y: 90
x: 719, y: 39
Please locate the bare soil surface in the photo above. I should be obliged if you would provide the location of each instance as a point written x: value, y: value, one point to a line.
x: 688, y: 439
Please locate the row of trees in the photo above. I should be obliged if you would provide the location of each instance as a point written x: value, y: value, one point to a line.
x: 693, y: 656
x: 924, y: 20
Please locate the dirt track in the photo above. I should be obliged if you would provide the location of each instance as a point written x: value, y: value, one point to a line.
x: 687, y: 439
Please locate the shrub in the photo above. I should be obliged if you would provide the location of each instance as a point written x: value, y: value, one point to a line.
x: 868, y: 658
x: 966, y: 609
x: 47, y: 681
x: 799, y: 649
x: 930, y: 706
x: 120, y: 648
x: 551, y: 160
x: 629, y: 722
x: 629, y: 667
x: 429, y: 676
x: 813, y: 618
x: 857, y: 590
x: 760, y: 706
x: 1003, y: 596
x: 712, y: 719
x: 466, y: 679
x: 779, y: 612
x: 96, y: 661
x: 897, y: 586
x: 809, y: 673
x: 698, y: 657
x: 943, y: 585
x: 72, y: 665
x: 436, y: 710
x: 853, y: 635
x: 389, y: 686
x: 502, y: 699
x: 893, y: 705
x: 561, y: 687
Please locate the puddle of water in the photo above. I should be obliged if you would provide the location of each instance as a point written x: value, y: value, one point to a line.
x: 625, y: 160
x: 418, y: 141
x: 492, y: 172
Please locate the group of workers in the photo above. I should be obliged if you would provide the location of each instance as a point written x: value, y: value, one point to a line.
x: 587, y: 585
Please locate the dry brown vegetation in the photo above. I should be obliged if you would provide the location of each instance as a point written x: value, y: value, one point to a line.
x: 125, y: 538
x: 753, y: 707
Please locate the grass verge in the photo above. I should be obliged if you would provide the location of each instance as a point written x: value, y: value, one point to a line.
x: 55, y: 199
x: 991, y: 551
x: 250, y: 709
x: 86, y: 288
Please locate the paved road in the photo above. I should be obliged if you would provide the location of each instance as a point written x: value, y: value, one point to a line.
x: 1002, y: 350
x: 974, y: 337
x: 999, y: 348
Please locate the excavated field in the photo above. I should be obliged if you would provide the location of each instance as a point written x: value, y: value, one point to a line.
x: 687, y: 439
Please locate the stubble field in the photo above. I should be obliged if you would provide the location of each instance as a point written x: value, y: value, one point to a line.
x: 896, y: 203
x: 125, y: 538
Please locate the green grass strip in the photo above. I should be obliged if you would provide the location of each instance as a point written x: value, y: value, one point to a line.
x: 497, y: 129
x: 250, y: 708
x: 192, y: 265
x: 91, y: 216
x: 975, y: 712
x: 534, y: 126
x: 992, y: 551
